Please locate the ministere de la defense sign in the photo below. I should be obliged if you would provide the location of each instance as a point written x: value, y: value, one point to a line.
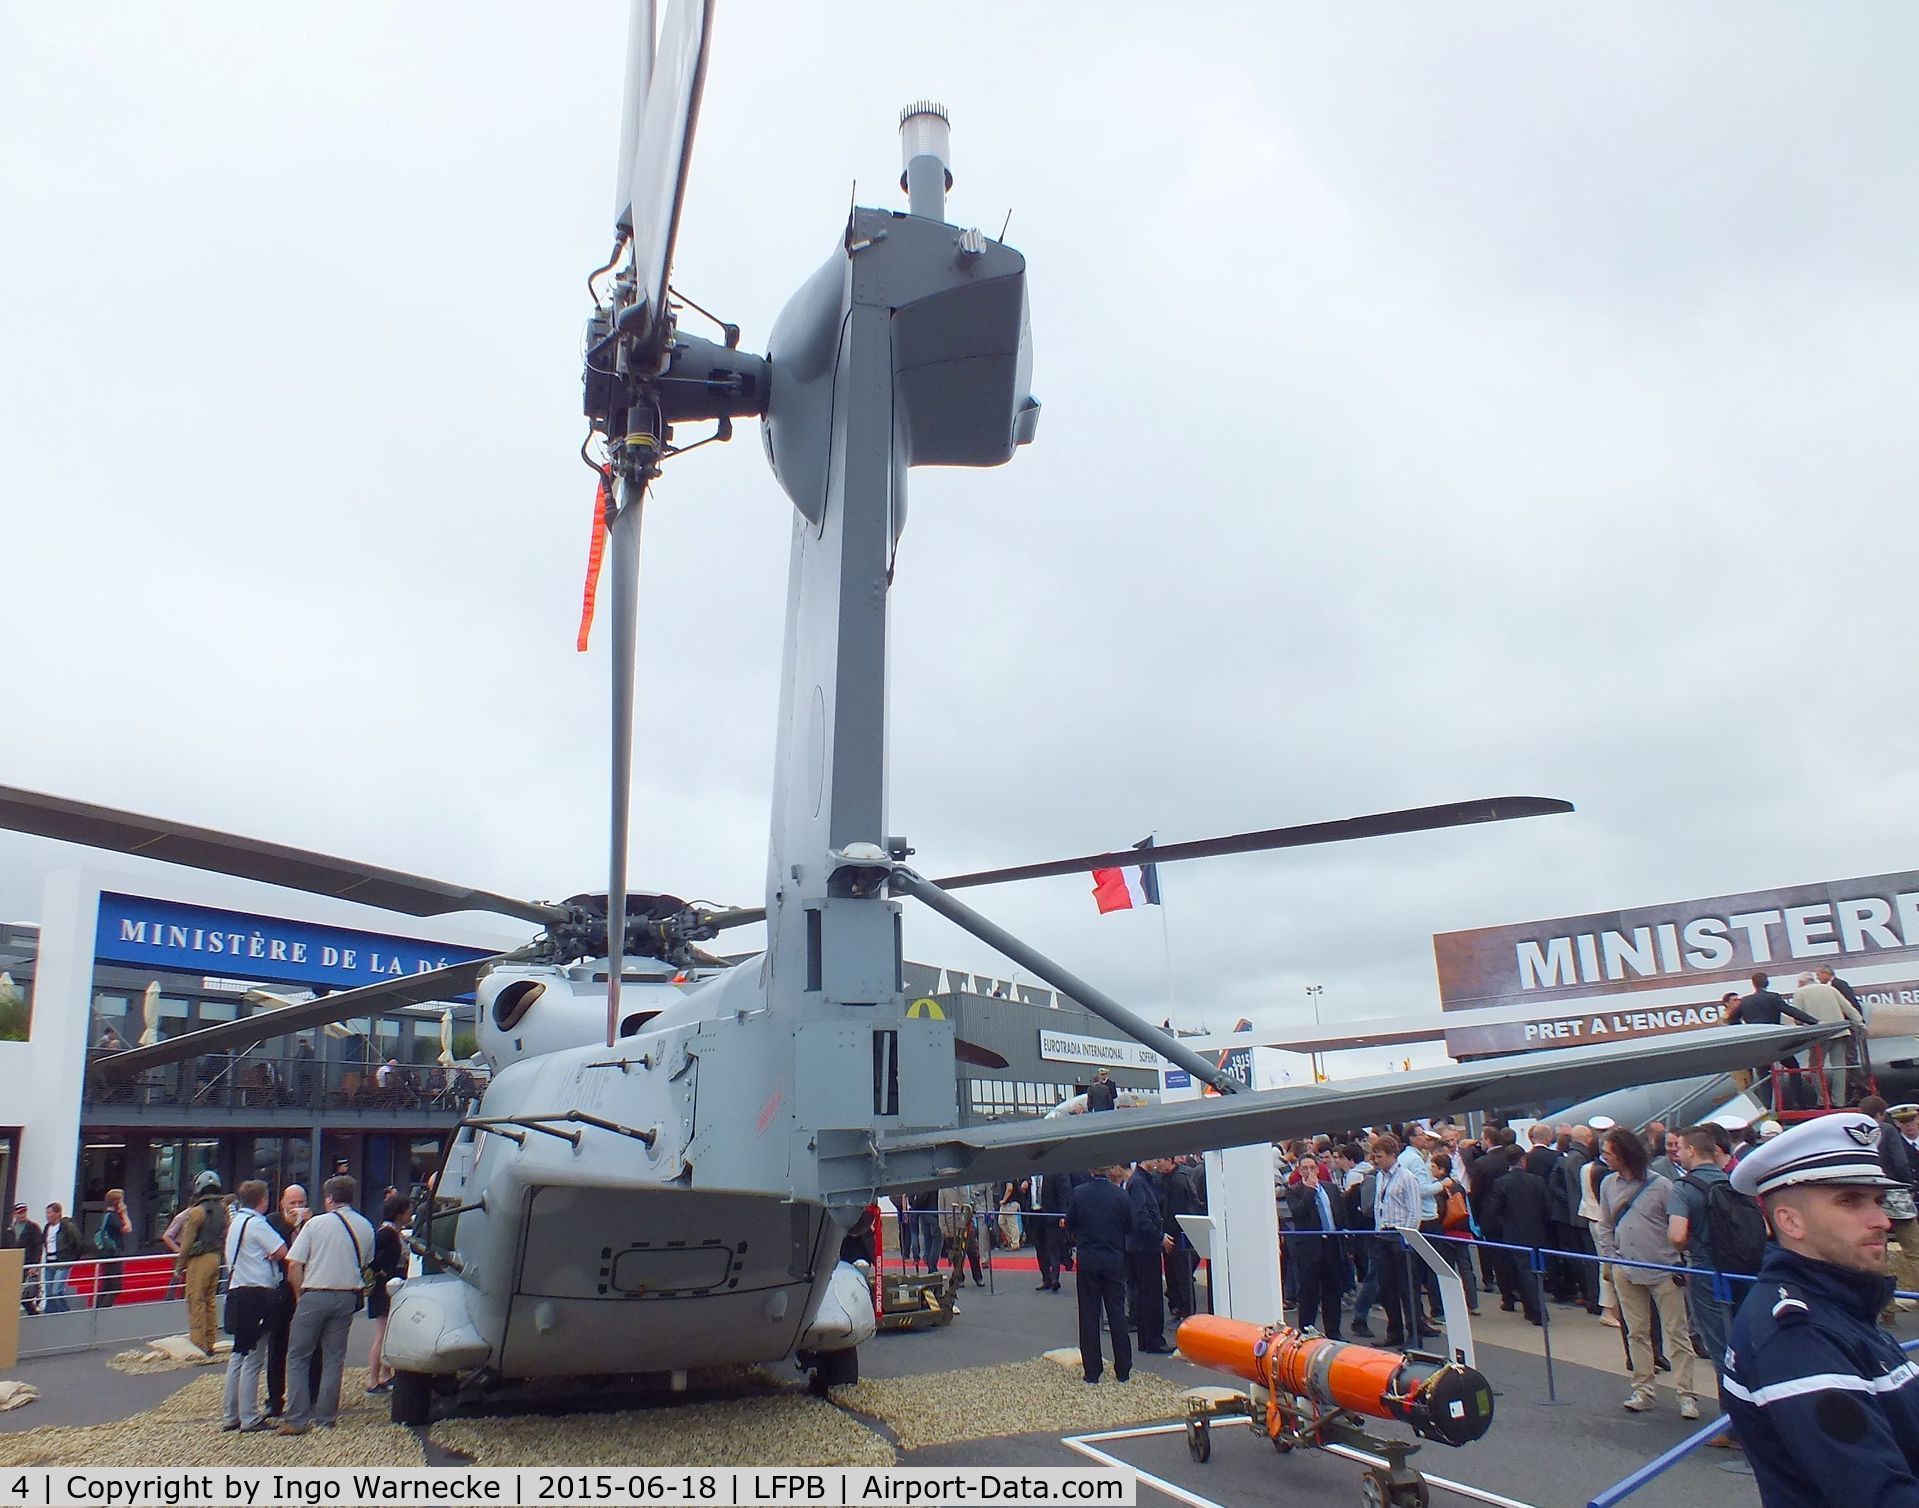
x: 1672, y: 962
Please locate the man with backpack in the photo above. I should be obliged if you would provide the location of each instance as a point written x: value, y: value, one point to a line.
x: 203, y: 1240
x: 1719, y: 1230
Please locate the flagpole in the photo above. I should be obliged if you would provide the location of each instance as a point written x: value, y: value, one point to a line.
x: 1172, y: 995
x: 1166, y: 942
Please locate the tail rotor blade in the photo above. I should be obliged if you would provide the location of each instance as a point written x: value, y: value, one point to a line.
x: 1379, y: 825
x: 1345, y: 829
x: 623, y: 544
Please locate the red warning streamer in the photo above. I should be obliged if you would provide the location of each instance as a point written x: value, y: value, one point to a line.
x: 596, y: 552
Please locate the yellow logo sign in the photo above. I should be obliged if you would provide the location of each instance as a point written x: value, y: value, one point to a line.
x: 923, y: 1008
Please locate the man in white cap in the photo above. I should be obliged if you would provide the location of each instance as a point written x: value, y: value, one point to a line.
x: 1824, y: 1401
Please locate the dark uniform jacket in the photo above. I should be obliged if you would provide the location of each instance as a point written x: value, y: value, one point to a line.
x: 1824, y: 1401
x: 1518, y: 1207
x: 1896, y: 1156
x: 1764, y: 1008
x: 1184, y: 1194
x: 1142, y: 1194
x: 1542, y: 1160
x: 1099, y: 1219
x: 1563, y: 1186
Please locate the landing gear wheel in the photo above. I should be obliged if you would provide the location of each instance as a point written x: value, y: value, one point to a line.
x: 834, y: 1369
x: 412, y: 1398
x: 1199, y: 1440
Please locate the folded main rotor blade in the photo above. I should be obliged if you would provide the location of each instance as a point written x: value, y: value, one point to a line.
x: 252, y: 859
x: 623, y: 544
x: 262, y: 1026
x: 1381, y: 824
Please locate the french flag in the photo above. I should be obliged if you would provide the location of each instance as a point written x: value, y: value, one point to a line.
x: 1129, y: 887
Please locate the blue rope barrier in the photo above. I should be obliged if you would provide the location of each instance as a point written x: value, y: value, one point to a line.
x: 1539, y: 1254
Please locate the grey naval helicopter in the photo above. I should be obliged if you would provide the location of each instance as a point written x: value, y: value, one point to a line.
x: 658, y: 1177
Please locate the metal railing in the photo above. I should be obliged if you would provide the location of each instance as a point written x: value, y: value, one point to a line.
x: 97, y: 1282
x: 258, y: 1081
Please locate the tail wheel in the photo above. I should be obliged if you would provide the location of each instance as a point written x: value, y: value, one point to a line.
x: 835, y: 1369
x: 412, y: 1398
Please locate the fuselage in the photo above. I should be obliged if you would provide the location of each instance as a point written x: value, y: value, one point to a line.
x: 592, y: 1251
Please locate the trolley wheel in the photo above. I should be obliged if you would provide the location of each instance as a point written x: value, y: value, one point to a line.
x: 1372, y: 1492
x: 1282, y: 1444
x: 1199, y: 1440
x: 412, y: 1398
x: 1410, y: 1495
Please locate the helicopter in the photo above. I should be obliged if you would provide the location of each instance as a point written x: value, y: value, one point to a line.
x: 659, y: 1174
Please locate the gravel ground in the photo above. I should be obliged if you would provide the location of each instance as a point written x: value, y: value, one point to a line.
x: 787, y: 1428
x: 186, y: 1429
x: 1017, y: 1398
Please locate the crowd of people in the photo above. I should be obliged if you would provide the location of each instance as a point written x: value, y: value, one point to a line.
x: 1654, y: 1233
x: 293, y: 1281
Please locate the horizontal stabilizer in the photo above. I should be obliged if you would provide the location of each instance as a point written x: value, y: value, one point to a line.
x: 1009, y: 1150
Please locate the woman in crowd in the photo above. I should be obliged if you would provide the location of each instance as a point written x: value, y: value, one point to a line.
x: 109, y: 1246
x: 1012, y: 1205
x: 389, y: 1261
x: 1458, y: 1252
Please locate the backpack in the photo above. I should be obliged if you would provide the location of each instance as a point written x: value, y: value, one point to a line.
x: 212, y: 1235
x: 1735, y: 1226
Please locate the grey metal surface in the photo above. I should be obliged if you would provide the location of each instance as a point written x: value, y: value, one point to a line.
x: 1094, y: 999
x: 87, y: 1328
x: 663, y: 150
x: 1009, y: 1149
x: 623, y: 545
x: 642, y: 35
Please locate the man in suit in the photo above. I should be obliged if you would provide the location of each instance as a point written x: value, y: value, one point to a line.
x: 1145, y: 1249
x: 1099, y: 1221
x: 1044, y: 1227
x: 1517, y: 1202
x: 1315, y: 1259
x: 1764, y: 1007
x: 1185, y: 1195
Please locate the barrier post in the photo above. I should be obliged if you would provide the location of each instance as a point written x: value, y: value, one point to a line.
x: 1552, y: 1400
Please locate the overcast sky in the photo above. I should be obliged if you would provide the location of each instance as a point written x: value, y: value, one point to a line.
x: 1439, y: 403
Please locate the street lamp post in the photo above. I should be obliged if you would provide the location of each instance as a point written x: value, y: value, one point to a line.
x: 1313, y: 992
